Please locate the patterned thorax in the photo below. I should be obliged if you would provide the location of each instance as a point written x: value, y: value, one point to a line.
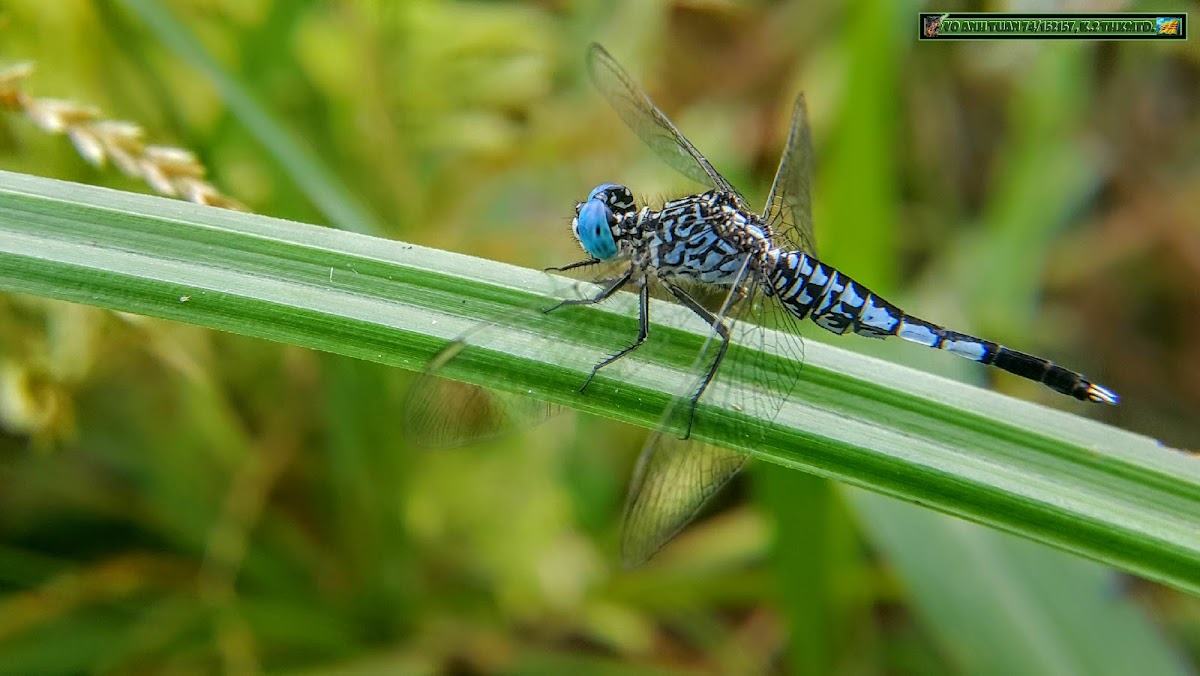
x: 708, y: 238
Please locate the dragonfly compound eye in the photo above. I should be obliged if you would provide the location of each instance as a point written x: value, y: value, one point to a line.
x: 593, y: 229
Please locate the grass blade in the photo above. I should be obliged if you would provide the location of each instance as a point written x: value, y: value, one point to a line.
x: 1076, y: 484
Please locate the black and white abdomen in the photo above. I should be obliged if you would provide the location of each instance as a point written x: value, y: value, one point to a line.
x: 837, y: 303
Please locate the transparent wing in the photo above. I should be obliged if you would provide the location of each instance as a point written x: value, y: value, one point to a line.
x: 640, y: 114
x: 674, y: 478
x: 672, y: 481
x: 444, y: 413
x: 789, y: 207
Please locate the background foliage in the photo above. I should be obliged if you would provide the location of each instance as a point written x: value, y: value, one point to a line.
x: 192, y: 501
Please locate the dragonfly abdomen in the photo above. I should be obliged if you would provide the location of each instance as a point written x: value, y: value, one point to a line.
x: 809, y: 288
x: 837, y: 303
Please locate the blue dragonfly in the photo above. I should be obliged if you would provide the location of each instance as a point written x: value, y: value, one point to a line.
x: 749, y: 277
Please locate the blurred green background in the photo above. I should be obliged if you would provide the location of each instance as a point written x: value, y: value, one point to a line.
x: 174, y: 500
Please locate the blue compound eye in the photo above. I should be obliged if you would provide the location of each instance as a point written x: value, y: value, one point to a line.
x: 591, y: 227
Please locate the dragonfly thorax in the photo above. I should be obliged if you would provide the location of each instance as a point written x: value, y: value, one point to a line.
x: 708, y: 238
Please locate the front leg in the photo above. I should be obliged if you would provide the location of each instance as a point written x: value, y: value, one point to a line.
x: 572, y: 266
x: 604, y: 294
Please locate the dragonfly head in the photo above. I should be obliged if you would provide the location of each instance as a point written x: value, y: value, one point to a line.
x: 598, y: 219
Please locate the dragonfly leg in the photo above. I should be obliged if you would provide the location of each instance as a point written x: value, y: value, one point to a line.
x: 573, y: 266
x: 604, y: 294
x: 722, y: 331
x: 643, y: 331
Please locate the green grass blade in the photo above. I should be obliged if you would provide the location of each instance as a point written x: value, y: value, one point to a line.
x: 1113, y: 496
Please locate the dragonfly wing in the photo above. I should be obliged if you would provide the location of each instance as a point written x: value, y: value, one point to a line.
x: 789, y: 207
x: 443, y: 413
x: 672, y: 481
x: 640, y: 114
x: 674, y: 477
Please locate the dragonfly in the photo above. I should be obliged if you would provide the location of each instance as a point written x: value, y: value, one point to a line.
x: 749, y: 277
